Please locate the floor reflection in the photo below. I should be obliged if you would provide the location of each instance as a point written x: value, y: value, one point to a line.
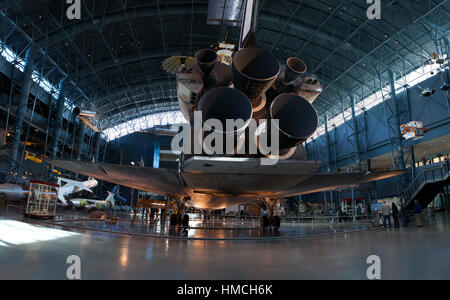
x: 214, y: 229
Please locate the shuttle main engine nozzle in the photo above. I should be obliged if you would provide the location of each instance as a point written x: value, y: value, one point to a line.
x: 297, y: 121
x: 206, y: 60
x: 226, y: 105
x: 254, y: 71
x: 297, y: 117
x: 294, y: 68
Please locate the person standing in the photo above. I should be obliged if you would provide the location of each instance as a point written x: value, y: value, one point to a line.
x: 3, y: 203
x: 369, y: 211
x: 395, y: 214
x: 404, y: 214
x: 386, y: 213
x: 418, y: 213
x: 339, y: 214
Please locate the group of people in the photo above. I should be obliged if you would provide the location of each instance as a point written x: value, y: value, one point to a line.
x: 388, y: 210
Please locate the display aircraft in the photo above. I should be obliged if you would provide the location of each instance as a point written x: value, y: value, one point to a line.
x: 254, y: 87
x: 73, y: 186
x: 113, y: 200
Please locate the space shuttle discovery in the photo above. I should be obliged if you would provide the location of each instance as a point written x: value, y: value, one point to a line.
x: 265, y: 100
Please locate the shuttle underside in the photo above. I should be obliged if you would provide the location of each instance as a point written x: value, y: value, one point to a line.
x: 257, y: 88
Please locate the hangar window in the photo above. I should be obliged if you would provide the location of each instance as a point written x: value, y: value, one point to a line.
x: 37, y: 77
x: 411, y: 79
x: 146, y: 122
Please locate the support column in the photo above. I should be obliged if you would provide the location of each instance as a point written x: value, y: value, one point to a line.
x: 332, y: 207
x: 80, y: 140
x: 366, y: 135
x: 353, y: 205
x: 104, y: 151
x: 396, y: 116
x: 156, y: 154
x: 447, y: 44
x: 96, y: 150
x: 22, y: 102
x: 327, y: 138
x: 59, y: 117
x: 411, y: 149
x: 356, y: 134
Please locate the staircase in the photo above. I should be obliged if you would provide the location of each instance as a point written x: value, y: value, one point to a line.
x: 427, y: 185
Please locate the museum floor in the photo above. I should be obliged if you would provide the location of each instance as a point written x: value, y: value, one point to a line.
x: 29, y: 252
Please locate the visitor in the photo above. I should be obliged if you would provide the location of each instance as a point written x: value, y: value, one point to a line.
x: 395, y: 214
x: 386, y: 213
x: 404, y: 214
x: 339, y: 215
x: 3, y: 203
x: 418, y: 213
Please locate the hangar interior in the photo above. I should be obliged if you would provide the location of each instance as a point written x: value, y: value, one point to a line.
x: 103, y: 91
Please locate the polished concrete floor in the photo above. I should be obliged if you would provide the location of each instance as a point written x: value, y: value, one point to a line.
x: 27, y: 252
x: 214, y: 229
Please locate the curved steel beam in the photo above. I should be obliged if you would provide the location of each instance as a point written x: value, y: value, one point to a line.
x: 132, y: 59
x: 55, y: 36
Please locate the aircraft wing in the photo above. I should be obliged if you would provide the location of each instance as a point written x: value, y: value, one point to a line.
x: 160, y: 181
x: 329, y: 181
x: 222, y: 182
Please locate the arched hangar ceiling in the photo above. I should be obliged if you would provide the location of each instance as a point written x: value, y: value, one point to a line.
x: 114, y: 53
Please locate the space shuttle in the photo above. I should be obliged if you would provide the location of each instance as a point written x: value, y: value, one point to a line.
x: 254, y: 89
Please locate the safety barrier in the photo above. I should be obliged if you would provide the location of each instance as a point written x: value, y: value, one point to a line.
x: 437, y: 173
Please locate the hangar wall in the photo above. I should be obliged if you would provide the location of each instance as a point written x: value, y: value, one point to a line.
x: 373, y: 136
x: 41, y: 118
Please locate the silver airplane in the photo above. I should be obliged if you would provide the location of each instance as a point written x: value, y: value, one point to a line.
x: 73, y: 186
x: 13, y: 192
x: 262, y: 90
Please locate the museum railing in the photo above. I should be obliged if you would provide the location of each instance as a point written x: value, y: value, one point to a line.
x: 437, y: 173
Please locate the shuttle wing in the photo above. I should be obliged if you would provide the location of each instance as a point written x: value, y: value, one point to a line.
x: 160, y: 181
x: 329, y: 181
x: 220, y: 182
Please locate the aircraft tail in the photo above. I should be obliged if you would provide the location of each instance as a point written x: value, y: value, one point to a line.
x: 112, y: 195
x: 115, y: 198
